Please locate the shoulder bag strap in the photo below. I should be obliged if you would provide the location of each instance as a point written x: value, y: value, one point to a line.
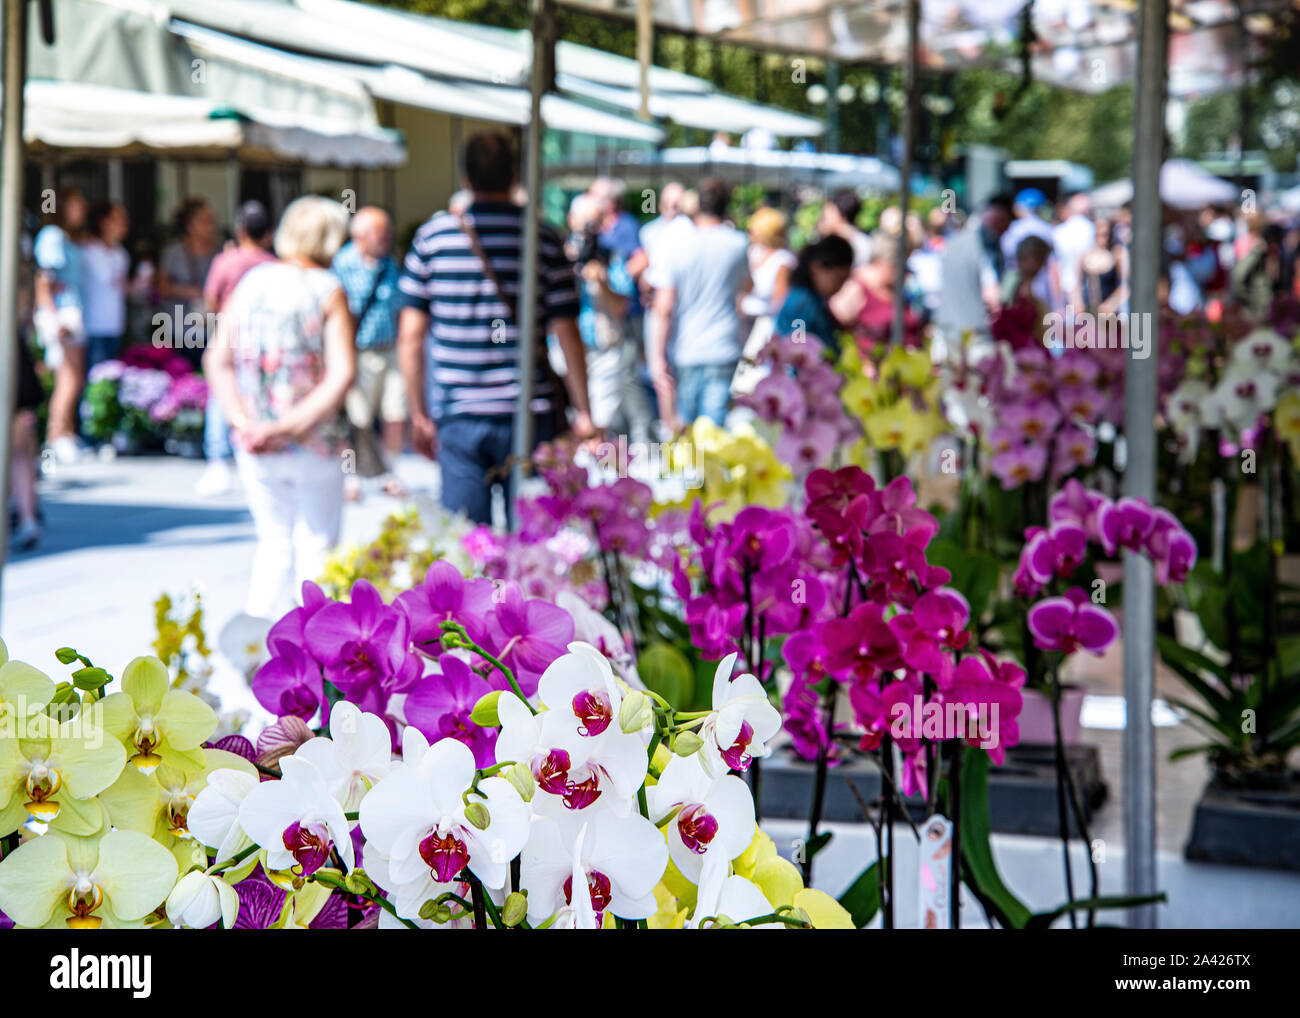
x: 488, y: 271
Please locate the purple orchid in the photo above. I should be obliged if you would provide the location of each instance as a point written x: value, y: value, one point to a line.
x: 1072, y: 623
x: 440, y: 705
x: 1019, y: 465
x: 527, y: 635
x: 445, y: 596
x: 364, y: 645
x: 1126, y: 524
x: 290, y: 683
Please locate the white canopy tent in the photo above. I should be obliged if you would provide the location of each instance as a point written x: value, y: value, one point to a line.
x: 76, y: 118
x: 1183, y: 185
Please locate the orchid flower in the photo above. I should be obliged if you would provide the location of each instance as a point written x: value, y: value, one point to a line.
x: 51, y: 771
x: 114, y: 881
x: 296, y: 820
x: 416, y: 816
x: 356, y: 756
x: 742, y: 721
x: 213, y: 817
x: 619, y: 860
x: 201, y: 899
x: 731, y: 899
x: 156, y: 723
x: 709, y: 818
x: 1072, y: 623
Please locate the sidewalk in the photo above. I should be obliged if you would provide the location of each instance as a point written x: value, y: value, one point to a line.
x: 120, y: 533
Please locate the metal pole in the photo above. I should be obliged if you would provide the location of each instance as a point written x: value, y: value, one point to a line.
x: 911, y: 86
x: 645, y: 41
x: 543, y: 51
x: 832, y: 105
x: 11, y: 212
x: 1140, y: 468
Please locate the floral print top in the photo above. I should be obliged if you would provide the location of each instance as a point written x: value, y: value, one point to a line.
x: 276, y: 312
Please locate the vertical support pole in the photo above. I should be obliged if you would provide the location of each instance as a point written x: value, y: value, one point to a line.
x: 543, y: 54
x: 11, y: 212
x: 645, y: 41
x: 911, y: 86
x: 1140, y: 470
x: 116, y: 180
x: 832, y: 106
x: 232, y: 189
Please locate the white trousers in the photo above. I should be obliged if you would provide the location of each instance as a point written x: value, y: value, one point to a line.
x: 296, y: 500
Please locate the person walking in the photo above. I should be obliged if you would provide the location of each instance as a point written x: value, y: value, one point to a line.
x: 458, y: 333
x: 252, y: 234
x: 369, y: 273
x: 770, y: 263
x: 698, y: 307
x: 822, y: 271
x: 60, y: 319
x: 183, y: 269
x: 281, y: 367
x: 867, y: 302
x: 972, y: 267
x: 105, y: 266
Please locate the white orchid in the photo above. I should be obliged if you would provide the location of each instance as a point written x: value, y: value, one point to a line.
x: 742, y: 721
x: 213, y: 817
x: 619, y: 860
x: 1240, y: 398
x: 296, y: 820
x: 200, y: 899
x: 1185, y: 411
x: 356, y: 756
x: 242, y: 642
x: 591, y: 627
x: 731, y: 899
x: 575, y: 750
x: 712, y: 818
x: 418, y: 816
x: 1262, y: 350
x: 408, y: 897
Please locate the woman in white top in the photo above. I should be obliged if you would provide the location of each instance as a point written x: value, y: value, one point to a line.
x: 284, y: 361
x: 770, y: 263
x: 104, y: 267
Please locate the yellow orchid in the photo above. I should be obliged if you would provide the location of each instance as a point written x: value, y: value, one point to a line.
x: 114, y: 880
x: 51, y: 769
x: 912, y: 368
x: 1286, y: 419
x: 156, y: 723
x: 158, y: 803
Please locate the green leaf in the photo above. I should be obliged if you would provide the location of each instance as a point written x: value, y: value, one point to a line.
x: 974, y: 573
x: 816, y: 844
x: 667, y: 671
x: 978, y: 867
x: 1044, y: 920
x: 90, y: 678
x: 862, y: 899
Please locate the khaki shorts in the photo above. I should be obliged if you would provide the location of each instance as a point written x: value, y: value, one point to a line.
x: 379, y: 389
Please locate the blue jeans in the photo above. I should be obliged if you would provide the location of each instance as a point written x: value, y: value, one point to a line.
x: 474, y: 455
x: 101, y: 348
x: 704, y: 390
x: 216, y: 432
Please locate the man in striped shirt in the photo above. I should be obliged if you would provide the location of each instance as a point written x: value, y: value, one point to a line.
x: 459, y: 334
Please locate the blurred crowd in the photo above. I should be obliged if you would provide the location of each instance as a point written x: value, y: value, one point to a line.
x: 318, y: 340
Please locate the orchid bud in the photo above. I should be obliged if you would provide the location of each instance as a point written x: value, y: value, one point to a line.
x: 435, y: 910
x: 637, y: 712
x: 687, y: 744
x: 514, y: 909
x: 521, y: 780
x: 477, y: 814
x: 484, y: 713
x: 357, y: 882
x: 198, y: 900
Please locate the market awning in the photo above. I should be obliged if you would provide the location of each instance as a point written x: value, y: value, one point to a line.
x: 709, y: 111
x: 101, y: 120
x: 1086, y: 45
x: 1183, y: 185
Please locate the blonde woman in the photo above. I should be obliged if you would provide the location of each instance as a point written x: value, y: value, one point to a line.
x: 284, y: 361
x: 770, y: 263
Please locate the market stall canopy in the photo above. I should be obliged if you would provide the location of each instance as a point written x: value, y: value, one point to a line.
x: 770, y: 168
x: 1183, y: 185
x: 1087, y: 45
x: 100, y: 120
x: 481, y: 62
x: 708, y: 111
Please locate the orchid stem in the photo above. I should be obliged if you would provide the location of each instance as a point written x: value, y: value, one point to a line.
x: 463, y: 641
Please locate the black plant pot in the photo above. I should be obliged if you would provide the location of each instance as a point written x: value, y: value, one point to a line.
x: 1248, y: 826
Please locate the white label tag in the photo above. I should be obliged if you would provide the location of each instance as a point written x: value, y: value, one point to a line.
x: 935, y: 873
